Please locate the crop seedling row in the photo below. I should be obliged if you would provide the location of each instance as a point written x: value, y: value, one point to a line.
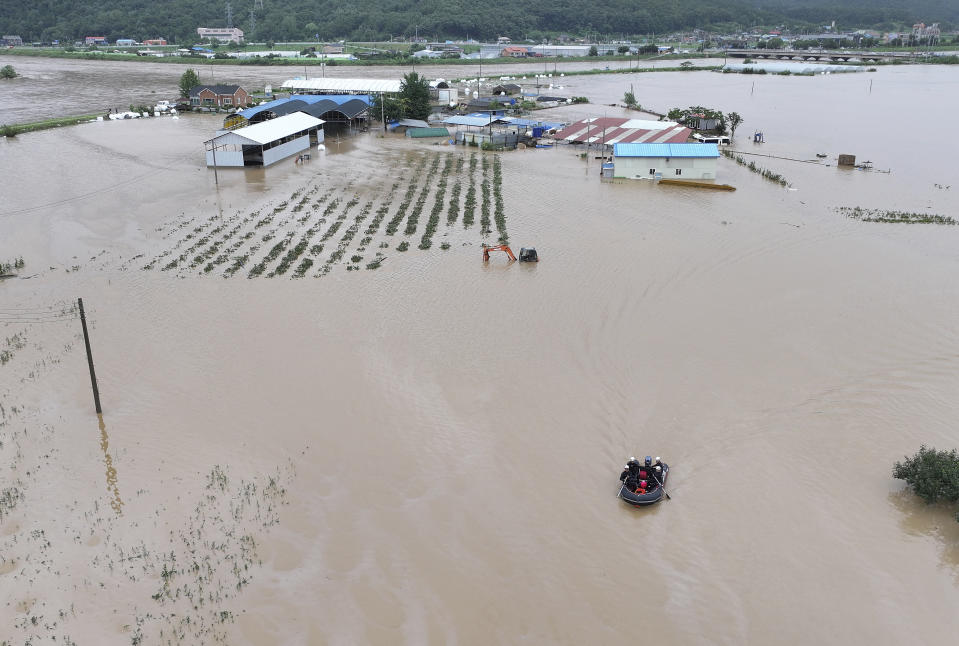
x: 438, y: 202
x: 499, y: 212
x: 394, y: 224
x: 453, y: 211
x: 346, y: 239
x: 469, y: 208
x: 421, y: 200
x: 485, y: 205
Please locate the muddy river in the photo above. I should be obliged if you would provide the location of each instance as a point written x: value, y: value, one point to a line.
x: 385, y: 446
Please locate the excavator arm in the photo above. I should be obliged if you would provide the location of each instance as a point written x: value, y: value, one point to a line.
x: 501, y: 247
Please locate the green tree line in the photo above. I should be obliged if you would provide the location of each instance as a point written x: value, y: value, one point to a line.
x: 377, y: 20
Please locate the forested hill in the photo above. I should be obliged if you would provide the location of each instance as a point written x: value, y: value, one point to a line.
x: 280, y: 20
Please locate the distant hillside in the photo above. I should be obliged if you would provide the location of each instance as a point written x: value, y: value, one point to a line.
x: 280, y: 20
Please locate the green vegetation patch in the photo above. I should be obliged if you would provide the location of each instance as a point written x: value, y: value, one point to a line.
x: 901, y: 217
x: 933, y: 475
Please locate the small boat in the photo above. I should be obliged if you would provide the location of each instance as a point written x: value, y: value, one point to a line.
x: 821, y: 155
x: 654, y: 495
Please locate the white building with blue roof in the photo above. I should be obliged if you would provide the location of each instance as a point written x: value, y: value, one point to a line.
x: 665, y: 161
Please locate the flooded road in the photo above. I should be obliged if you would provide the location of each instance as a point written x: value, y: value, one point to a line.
x: 427, y: 452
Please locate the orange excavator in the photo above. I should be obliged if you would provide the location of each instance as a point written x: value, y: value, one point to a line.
x: 499, y: 247
x: 526, y: 254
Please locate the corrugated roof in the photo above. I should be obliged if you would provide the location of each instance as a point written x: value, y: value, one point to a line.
x: 371, y: 86
x: 665, y: 150
x: 613, y: 130
x: 263, y: 133
x: 534, y: 123
x: 419, y: 133
x: 282, y: 106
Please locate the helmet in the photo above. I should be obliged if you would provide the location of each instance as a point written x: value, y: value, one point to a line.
x: 658, y: 459
x: 632, y: 458
x: 657, y: 468
x: 649, y: 460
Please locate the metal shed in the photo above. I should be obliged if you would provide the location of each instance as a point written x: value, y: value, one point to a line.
x: 264, y: 143
x: 343, y: 86
x: 420, y: 133
x: 660, y: 161
x: 333, y: 108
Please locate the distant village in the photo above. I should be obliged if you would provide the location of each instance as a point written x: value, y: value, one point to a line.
x: 919, y: 35
x: 262, y: 128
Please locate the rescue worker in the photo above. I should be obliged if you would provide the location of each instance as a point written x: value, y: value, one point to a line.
x: 641, y: 489
x: 659, y: 470
x: 657, y: 475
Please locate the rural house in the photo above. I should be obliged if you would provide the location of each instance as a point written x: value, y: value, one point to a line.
x: 514, y: 52
x: 665, y: 161
x: 220, y: 96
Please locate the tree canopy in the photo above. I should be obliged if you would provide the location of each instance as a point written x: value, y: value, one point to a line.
x: 367, y: 20
x: 188, y: 80
x: 415, y: 96
x: 932, y: 474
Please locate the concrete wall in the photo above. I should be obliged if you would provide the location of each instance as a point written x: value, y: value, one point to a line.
x: 639, y: 167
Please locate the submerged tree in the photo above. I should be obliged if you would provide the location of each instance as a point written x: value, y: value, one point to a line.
x: 734, y: 120
x: 188, y: 81
x: 415, y: 96
x: 386, y: 108
x: 7, y: 72
x: 932, y: 474
x: 629, y: 99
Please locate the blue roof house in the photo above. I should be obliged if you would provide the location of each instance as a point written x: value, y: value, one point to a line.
x: 665, y: 161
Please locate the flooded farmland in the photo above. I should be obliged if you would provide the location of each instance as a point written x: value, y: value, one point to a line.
x: 412, y: 446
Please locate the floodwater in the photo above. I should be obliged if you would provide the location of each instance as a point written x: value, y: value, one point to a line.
x: 427, y: 452
x: 50, y: 87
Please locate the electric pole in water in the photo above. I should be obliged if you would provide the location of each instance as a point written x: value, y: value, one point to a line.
x: 86, y: 342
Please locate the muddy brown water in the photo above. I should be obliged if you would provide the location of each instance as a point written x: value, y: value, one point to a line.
x: 49, y: 88
x: 449, y: 433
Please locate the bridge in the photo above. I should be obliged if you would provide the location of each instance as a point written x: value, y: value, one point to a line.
x: 835, y: 55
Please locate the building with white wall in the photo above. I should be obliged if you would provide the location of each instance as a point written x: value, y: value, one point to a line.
x: 222, y: 34
x: 665, y: 161
x: 264, y: 143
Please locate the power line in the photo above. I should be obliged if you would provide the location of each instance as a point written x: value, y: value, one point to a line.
x: 82, y: 196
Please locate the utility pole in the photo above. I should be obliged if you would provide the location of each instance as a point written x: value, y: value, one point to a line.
x: 86, y: 342
x: 216, y: 177
x: 383, y: 110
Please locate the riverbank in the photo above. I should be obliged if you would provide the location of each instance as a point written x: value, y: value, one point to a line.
x: 12, y: 130
x: 318, y: 62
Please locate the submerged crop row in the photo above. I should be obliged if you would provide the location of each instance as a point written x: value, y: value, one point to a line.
x: 394, y: 224
x: 420, y: 200
x: 485, y: 204
x: 499, y: 212
x: 438, y: 202
x: 469, y: 208
x: 765, y: 172
x: 900, y: 217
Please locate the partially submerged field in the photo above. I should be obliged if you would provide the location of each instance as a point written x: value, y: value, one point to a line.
x: 385, y: 446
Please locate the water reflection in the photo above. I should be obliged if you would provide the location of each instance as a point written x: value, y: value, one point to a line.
x: 112, y: 487
x: 937, y: 521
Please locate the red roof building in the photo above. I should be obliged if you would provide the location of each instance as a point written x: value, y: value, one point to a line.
x: 514, y: 52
